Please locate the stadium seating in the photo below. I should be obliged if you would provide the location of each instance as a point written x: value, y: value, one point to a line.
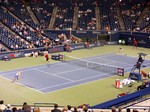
x: 43, y: 11
x: 2, y: 49
x: 130, y: 13
x: 64, y: 17
x: 29, y: 34
x: 19, y: 9
x: 86, y: 18
x: 109, y: 17
x: 146, y: 21
x: 35, y: 35
x: 12, y: 41
x: 25, y: 34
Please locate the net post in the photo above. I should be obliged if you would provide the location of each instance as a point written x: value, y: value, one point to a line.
x: 61, y: 57
x: 120, y: 71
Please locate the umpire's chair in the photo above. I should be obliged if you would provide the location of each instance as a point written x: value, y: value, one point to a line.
x: 138, y: 64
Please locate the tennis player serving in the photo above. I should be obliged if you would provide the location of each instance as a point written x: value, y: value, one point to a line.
x: 17, y: 76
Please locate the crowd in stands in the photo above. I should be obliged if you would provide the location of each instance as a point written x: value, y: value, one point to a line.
x: 130, y: 11
x: 145, y: 24
x: 43, y: 12
x: 86, y: 16
x: 27, y: 108
x: 81, y: 108
x: 130, y: 14
x: 64, y: 17
x: 2, y: 49
x: 12, y: 41
x: 28, y: 35
x: 114, y: 109
x: 109, y: 18
x: 8, y: 108
x: 19, y: 9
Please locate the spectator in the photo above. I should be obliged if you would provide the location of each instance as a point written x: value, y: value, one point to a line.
x: 119, y: 109
x: 128, y: 110
x: 67, y: 48
x: 113, y: 109
x: 134, y: 110
x: 26, y: 107
x: 37, y: 109
x: 85, y: 108
x: 143, y: 86
x: 2, y: 106
x: 69, y: 108
x: 8, y: 109
x: 14, y: 109
x: 64, y: 109
x: 75, y: 109
x: 55, y: 108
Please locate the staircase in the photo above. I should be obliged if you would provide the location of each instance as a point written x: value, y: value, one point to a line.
x: 97, y: 12
x: 32, y: 15
x: 75, y: 17
x: 3, y: 46
x: 52, y: 21
x: 15, y: 16
x: 122, y: 25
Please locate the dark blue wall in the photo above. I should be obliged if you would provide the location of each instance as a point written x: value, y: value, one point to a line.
x: 143, y: 39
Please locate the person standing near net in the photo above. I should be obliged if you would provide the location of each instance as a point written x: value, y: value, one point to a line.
x: 17, y: 76
x: 47, y: 57
x: 134, y: 43
x: 87, y: 43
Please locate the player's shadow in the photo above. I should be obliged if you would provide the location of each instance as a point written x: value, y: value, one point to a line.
x: 29, y: 86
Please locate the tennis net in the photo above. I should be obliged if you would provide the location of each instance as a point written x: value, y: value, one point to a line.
x: 91, y: 65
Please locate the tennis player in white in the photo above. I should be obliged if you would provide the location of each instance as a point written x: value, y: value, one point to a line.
x: 17, y: 76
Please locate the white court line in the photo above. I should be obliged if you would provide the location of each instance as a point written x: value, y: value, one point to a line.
x: 54, y: 75
x: 97, y: 55
x: 28, y: 69
x: 43, y: 65
x: 38, y: 90
x: 81, y: 68
x: 113, y: 60
x: 15, y: 72
x: 74, y: 81
x: 22, y: 85
x: 80, y: 80
x: 137, y: 57
x: 119, y: 61
x: 53, y: 63
x: 79, y: 84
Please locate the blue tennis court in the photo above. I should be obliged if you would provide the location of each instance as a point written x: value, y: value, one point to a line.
x: 52, y: 77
